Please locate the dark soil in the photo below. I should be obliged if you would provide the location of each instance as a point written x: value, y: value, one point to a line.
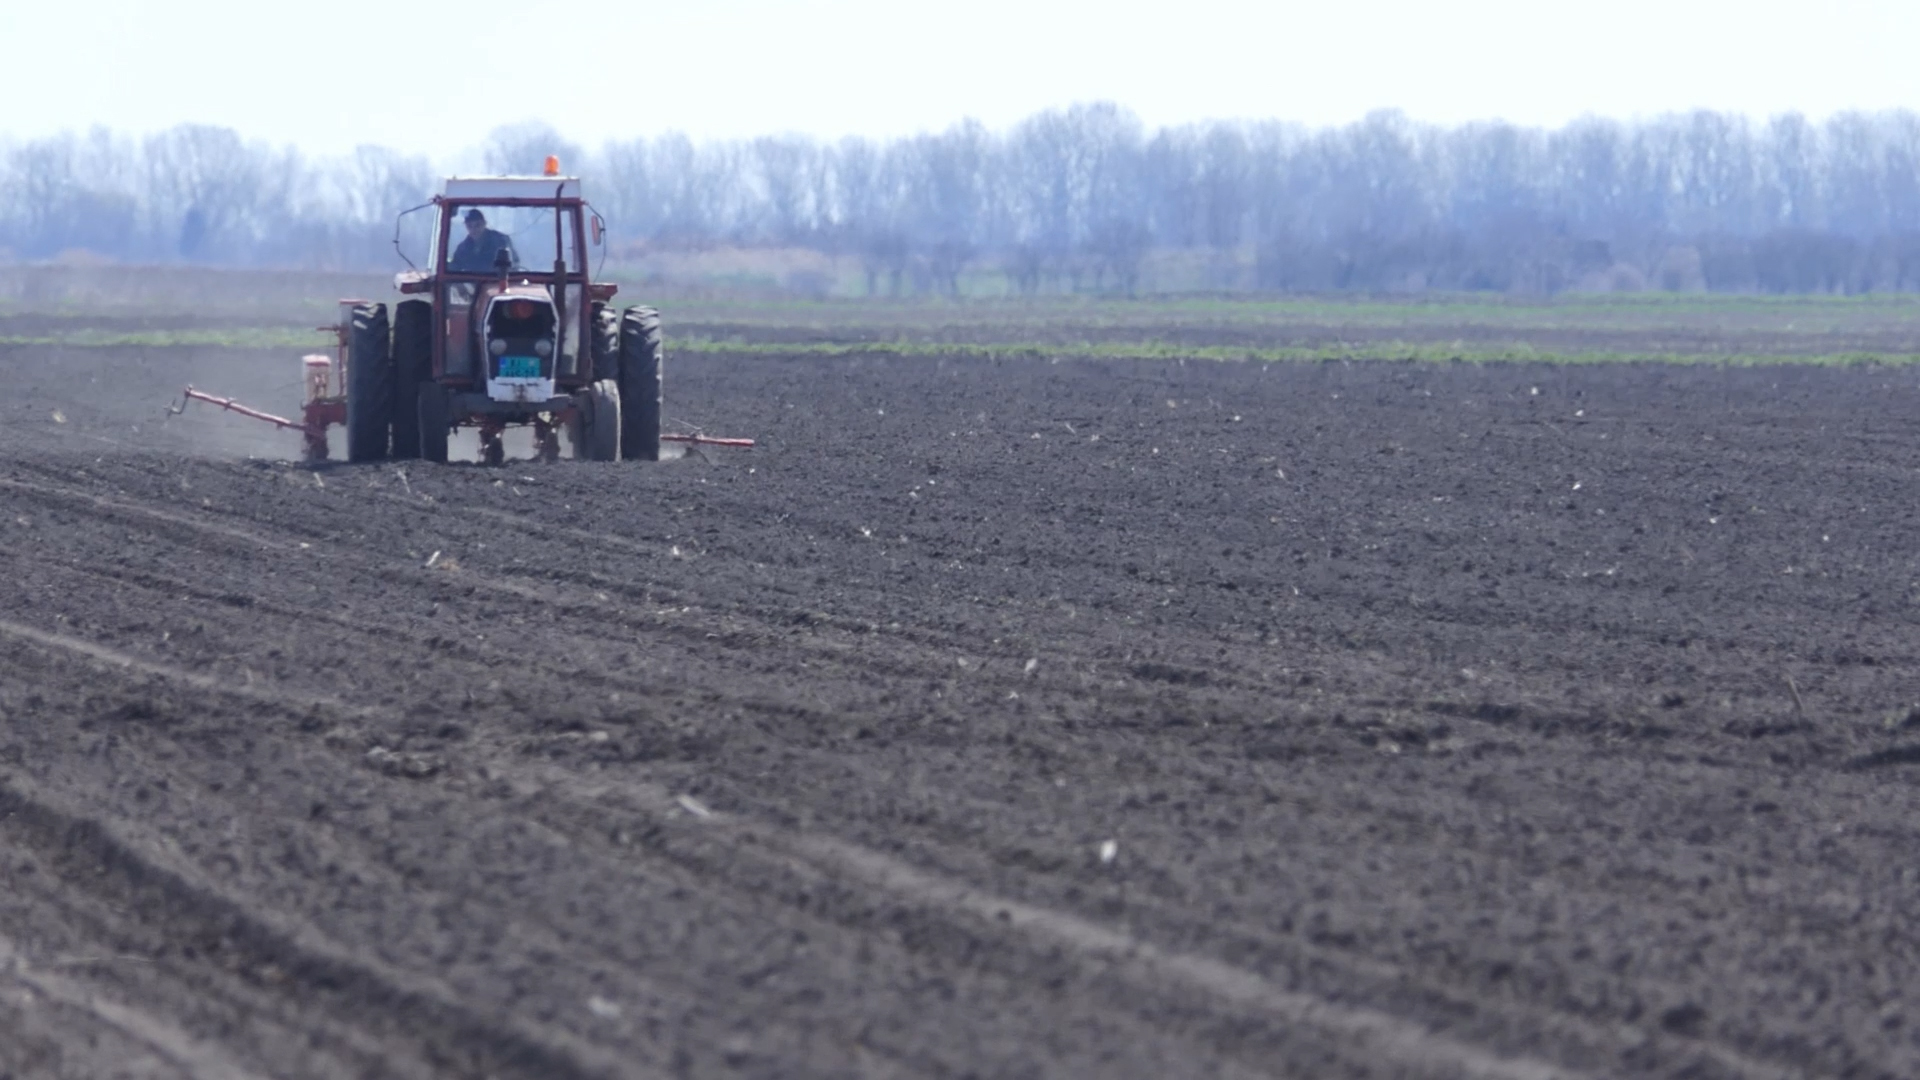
x: 990, y: 719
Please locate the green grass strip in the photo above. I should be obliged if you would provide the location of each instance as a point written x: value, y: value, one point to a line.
x: 1790, y: 314
x: 253, y: 337
x: 1389, y: 351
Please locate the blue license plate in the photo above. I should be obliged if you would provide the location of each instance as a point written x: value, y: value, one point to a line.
x: 519, y: 367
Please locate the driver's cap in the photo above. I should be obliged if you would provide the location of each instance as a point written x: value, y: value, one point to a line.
x: 474, y: 215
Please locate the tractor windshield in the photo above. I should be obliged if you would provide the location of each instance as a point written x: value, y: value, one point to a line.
x: 524, y: 232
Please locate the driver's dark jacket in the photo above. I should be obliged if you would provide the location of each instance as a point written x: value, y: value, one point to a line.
x: 475, y: 255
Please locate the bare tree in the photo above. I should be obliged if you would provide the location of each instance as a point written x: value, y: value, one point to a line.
x: 787, y: 167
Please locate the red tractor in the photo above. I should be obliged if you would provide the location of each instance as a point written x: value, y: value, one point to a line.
x: 505, y: 328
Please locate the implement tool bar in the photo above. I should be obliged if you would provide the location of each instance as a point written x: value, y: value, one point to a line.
x: 703, y: 440
x: 280, y: 421
x: 233, y: 406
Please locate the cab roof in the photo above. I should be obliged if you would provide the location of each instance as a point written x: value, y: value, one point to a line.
x: 482, y: 188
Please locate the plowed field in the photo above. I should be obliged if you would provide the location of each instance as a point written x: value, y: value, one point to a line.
x: 992, y: 718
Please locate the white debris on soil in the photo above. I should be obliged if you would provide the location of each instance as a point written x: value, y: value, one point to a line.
x: 693, y: 806
x: 602, y: 1008
x: 412, y: 766
x: 1033, y: 665
x: 433, y: 558
x: 1109, y: 851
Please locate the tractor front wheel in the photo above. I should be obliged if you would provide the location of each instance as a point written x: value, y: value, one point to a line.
x: 434, y: 420
x: 596, y: 432
x: 605, y: 345
x: 642, y: 355
x: 412, y: 366
x: 369, y: 384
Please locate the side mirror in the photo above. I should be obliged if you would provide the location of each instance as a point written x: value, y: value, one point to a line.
x: 398, y: 221
x: 599, y: 228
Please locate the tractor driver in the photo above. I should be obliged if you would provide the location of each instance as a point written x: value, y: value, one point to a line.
x: 477, y: 252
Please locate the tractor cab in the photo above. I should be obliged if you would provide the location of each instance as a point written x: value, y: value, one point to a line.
x: 544, y: 229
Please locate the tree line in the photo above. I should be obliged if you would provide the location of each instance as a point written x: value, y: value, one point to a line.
x: 1085, y: 198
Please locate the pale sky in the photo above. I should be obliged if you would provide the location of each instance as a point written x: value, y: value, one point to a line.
x: 434, y: 78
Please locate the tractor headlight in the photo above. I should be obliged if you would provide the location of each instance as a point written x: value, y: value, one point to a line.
x: 543, y: 348
x: 497, y: 346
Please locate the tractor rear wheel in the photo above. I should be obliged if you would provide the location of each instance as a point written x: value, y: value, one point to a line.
x: 433, y: 419
x: 642, y: 355
x: 369, y: 384
x: 605, y: 345
x: 596, y: 434
x: 412, y: 366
